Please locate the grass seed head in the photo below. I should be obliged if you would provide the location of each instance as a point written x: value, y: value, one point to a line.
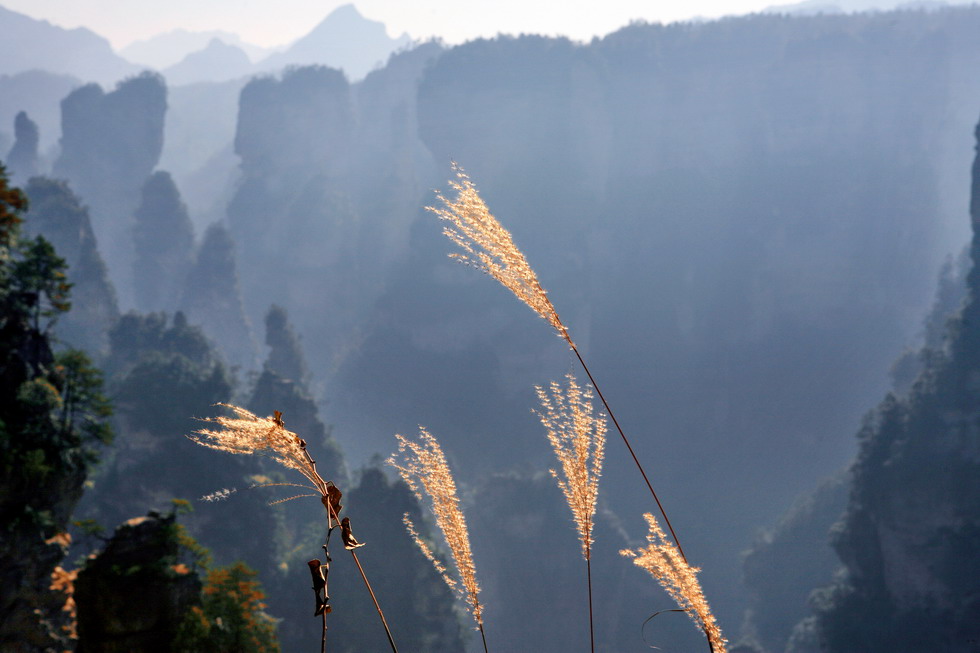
x: 423, y: 467
x: 487, y: 246
x: 578, y: 436
x: 680, y: 580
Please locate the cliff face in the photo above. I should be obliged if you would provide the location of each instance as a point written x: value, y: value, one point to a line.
x: 23, y: 156
x: 110, y: 142
x: 910, y: 533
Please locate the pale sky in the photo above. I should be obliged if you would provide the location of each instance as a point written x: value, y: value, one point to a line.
x: 269, y: 23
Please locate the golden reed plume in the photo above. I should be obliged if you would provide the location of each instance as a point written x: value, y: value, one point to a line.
x: 423, y: 467
x: 489, y: 247
x: 247, y: 433
x: 664, y: 562
x: 578, y: 437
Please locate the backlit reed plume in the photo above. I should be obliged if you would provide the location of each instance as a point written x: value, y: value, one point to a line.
x: 486, y: 245
x: 247, y: 433
x: 423, y: 467
x: 489, y: 247
x: 665, y: 563
x: 578, y: 437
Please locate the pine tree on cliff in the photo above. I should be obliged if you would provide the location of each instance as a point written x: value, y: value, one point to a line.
x: 212, y: 298
x: 164, y: 241
x: 52, y: 420
x: 23, y: 156
x: 58, y: 215
x: 911, y: 531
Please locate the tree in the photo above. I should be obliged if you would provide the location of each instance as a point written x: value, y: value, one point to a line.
x: 231, y: 617
x: 52, y: 419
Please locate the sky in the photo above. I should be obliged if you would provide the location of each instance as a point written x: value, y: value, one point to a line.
x: 270, y: 23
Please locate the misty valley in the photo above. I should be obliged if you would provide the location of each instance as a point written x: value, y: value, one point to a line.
x: 748, y: 246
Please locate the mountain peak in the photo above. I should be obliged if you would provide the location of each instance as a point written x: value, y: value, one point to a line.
x: 344, y: 39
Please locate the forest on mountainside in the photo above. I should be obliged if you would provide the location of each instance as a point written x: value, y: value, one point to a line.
x: 754, y: 227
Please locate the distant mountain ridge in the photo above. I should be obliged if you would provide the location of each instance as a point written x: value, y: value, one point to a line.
x: 170, y: 48
x: 30, y: 44
x: 217, y: 62
x: 344, y: 39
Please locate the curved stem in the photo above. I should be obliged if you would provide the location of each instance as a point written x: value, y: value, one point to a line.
x: 626, y: 441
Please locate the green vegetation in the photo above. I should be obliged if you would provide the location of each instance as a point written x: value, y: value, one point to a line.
x: 50, y: 433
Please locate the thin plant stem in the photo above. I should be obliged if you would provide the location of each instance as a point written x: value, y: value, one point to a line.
x: 373, y: 598
x: 483, y: 635
x: 323, y: 637
x: 626, y: 441
x: 588, y: 572
x: 333, y: 518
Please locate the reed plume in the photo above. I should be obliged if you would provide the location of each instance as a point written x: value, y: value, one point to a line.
x: 665, y: 563
x: 490, y: 248
x: 487, y: 246
x: 578, y: 437
x: 423, y: 467
x: 247, y: 433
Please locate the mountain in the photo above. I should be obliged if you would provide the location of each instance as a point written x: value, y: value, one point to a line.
x: 30, y: 44
x: 218, y: 62
x: 168, y: 49
x: 39, y: 93
x: 345, y: 39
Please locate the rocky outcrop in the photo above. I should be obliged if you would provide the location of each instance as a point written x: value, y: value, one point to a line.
x: 134, y: 595
x: 212, y: 298
x: 23, y: 156
x: 110, y: 143
x: 909, y: 536
x: 164, y: 240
